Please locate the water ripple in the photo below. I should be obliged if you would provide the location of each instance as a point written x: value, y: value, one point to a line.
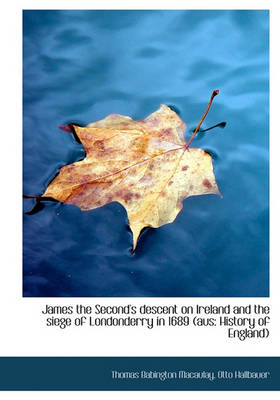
x: 84, y: 65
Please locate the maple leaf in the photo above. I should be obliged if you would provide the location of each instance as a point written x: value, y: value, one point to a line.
x: 145, y: 165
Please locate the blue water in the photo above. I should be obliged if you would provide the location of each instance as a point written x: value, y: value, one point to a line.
x: 80, y: 66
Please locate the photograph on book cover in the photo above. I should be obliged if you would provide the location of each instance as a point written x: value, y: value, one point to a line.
x: 145, y: 153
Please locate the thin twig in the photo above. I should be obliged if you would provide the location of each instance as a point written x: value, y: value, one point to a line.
x: 215, y: 92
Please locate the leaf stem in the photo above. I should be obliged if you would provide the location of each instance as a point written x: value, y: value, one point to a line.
x: 39, y: 198
x: 26, y: 196
x: 215, y: 92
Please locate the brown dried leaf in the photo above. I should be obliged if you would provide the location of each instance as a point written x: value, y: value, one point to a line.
x: 144, y: 165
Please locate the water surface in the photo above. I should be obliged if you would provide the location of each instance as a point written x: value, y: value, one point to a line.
x: 80, y: 66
